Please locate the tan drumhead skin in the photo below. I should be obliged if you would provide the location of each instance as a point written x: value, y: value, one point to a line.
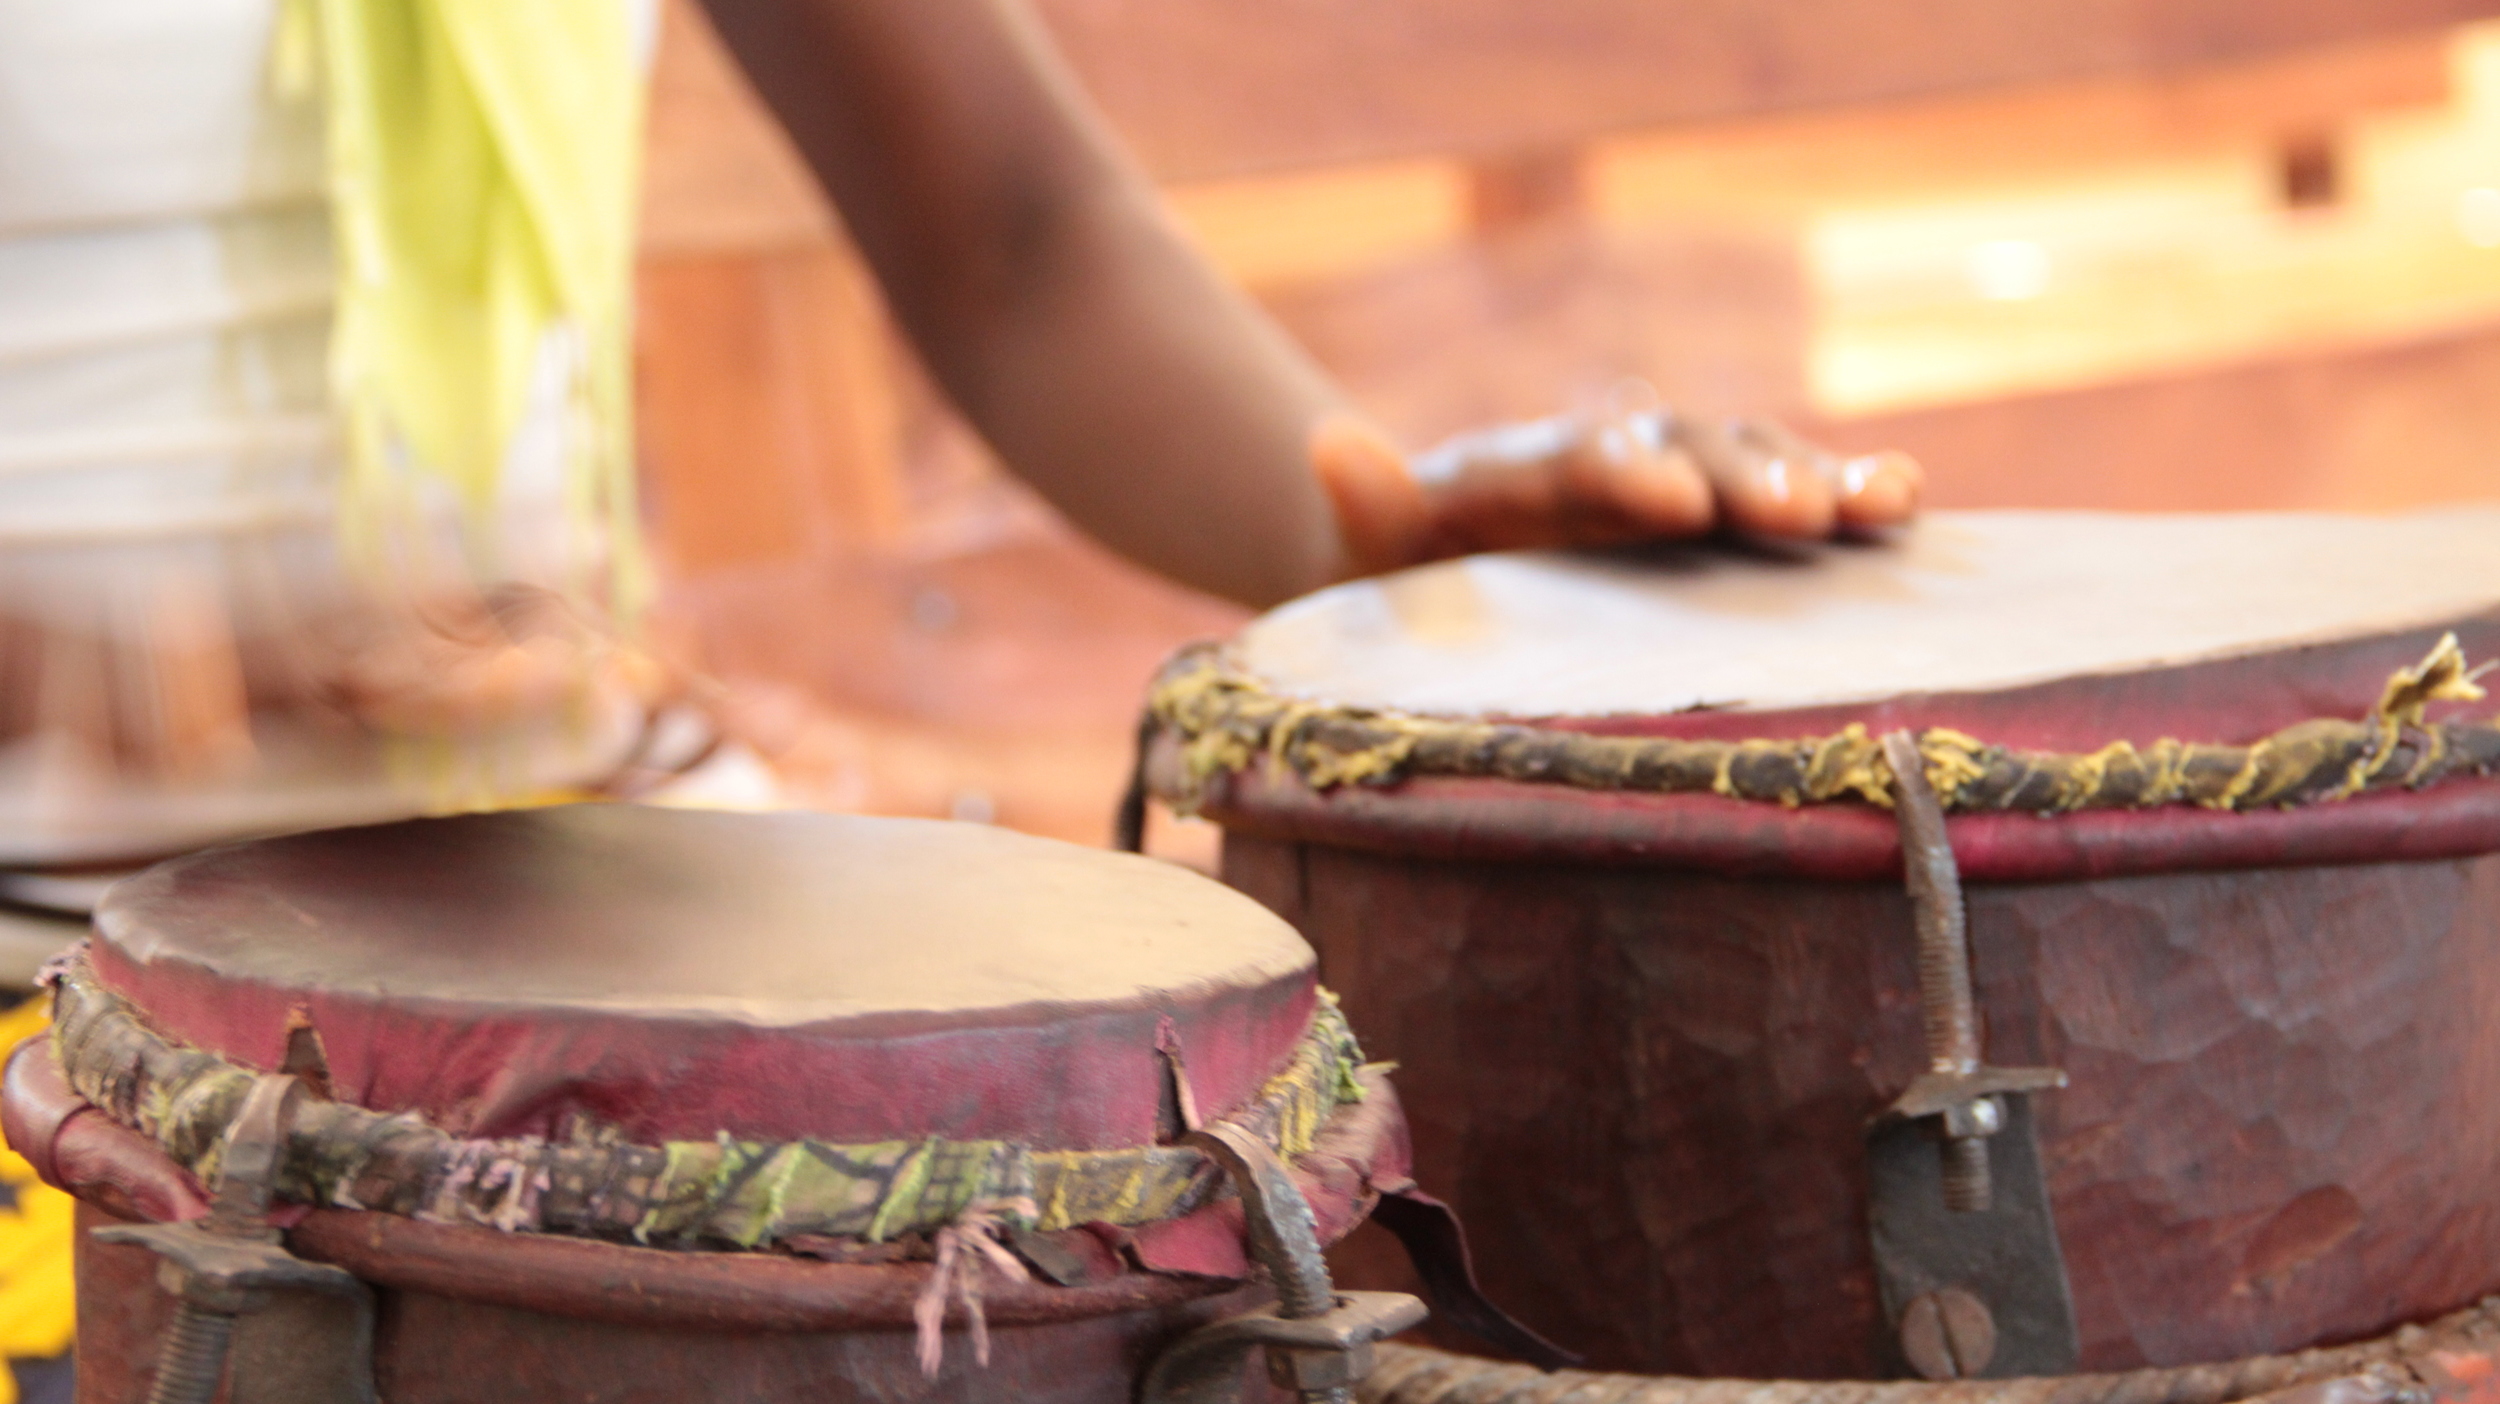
x: 767, y: 918
x: 1966, y: 601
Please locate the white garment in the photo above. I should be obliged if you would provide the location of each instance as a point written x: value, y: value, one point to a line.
x: 166, y: 423
x: 164, y: 273
x: 165, y: 280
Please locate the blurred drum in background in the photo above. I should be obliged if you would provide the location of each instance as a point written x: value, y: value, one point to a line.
x: 1608, y: 854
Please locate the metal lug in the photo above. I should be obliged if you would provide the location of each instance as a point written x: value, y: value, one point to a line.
x: 2005, y: 1256
x: 307, y: 1327
x: 1966, y: 1254
x: 199, y: 1265
x: 1318, y: 1340
x: 1311, y: 1355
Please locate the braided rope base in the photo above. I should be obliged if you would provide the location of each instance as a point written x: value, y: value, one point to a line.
x: 2396, y: 1368
x: 1226, y: 720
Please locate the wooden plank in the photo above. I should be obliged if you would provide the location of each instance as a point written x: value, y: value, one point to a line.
x: 2390, y: 427
x: 1553, y: 317
x: 1210, y: 88
x: 766, y: 406
x: 1311, y: 225
x: 719, y: 173
x: 1906, y: 151
x: 2207, y: 297
x: 1282, y: 227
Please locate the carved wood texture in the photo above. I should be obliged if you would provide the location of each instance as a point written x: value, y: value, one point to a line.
x: 1645, y: 1091
x: 431, y: 1349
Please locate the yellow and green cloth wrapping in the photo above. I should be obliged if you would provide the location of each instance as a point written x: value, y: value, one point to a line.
x: 484, y: 165
x: 749, y: 1193
x: 723, y: 1190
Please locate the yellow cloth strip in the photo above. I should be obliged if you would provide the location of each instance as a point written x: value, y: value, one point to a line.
x: 484, y: 161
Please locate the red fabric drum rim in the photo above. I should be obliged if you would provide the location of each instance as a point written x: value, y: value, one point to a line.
x: 121, y: 1176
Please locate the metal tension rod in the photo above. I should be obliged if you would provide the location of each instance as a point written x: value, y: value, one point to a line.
x: 1958, y: 1089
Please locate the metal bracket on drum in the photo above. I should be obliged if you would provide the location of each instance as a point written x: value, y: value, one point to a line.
x: 1320, y: 1358
x: 1966, y: 1252
x: 1318, y: 1340
x: 309, y: 1337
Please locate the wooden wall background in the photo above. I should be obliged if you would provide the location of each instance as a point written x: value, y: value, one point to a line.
x: 2106, y: 253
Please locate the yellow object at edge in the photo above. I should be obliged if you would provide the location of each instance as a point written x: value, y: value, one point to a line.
x: 38, y: 1307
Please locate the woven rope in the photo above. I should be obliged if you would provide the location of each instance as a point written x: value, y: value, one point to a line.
x: 1226, y: 721
x: 1420, y: 1375
x: 722, y: 1190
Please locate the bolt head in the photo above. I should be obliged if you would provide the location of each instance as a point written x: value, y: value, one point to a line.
x: 1948, y: 1334
x: 1981, y: 1116
x: 1309, y: 1370
x: 208, y: 1293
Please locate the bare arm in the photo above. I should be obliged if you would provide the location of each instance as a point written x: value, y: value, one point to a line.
x: 1034, y: 267
x: 1112, y: 368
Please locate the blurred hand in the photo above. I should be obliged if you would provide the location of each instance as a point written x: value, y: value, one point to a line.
x: 1593, y: 481
x: 463, y: 664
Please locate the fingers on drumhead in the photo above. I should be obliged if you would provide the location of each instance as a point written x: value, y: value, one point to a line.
x: 1879, y: 489
x: 1869, y: 490
x: 1597, y: 480
x: 1825, y: 491
x: 1626, y: 484
x: 1380, y: 508
x: 1765, y: 484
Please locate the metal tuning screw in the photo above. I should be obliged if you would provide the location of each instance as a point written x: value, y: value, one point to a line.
x: 1318, y: 1340
x: 230, y: 1264
x: 1967, y: 1258
x: 1958, y: 1092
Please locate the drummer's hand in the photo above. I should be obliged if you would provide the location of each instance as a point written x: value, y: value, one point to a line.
x: 460, y: 663
x: 1589, y: 481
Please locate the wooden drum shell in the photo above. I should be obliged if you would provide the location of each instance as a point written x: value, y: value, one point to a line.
x: 1645, y: 1089
x: 1641, y: 1035
x: 446, y: 1347
x: 632, y: 988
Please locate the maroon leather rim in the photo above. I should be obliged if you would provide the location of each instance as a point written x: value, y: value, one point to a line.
x: 121, y: 1173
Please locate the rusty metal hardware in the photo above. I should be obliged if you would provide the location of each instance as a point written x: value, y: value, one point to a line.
x: 1958, y: 1093
x: 2006, y: 1257
x: 1948, y: 1334
x: 1321, y: 1357
x: 1318, y: 1340
x: 1967, y: 1258
x: 232, y: 1265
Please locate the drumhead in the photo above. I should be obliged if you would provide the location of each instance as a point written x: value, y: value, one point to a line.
x: 677, y: 973
x: 765, y: 919
x: 1964, y: 602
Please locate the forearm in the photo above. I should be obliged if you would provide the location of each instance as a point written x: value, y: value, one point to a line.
x: 1113, y: 369
x: 1037, y: 275
x: 1152, y: 403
